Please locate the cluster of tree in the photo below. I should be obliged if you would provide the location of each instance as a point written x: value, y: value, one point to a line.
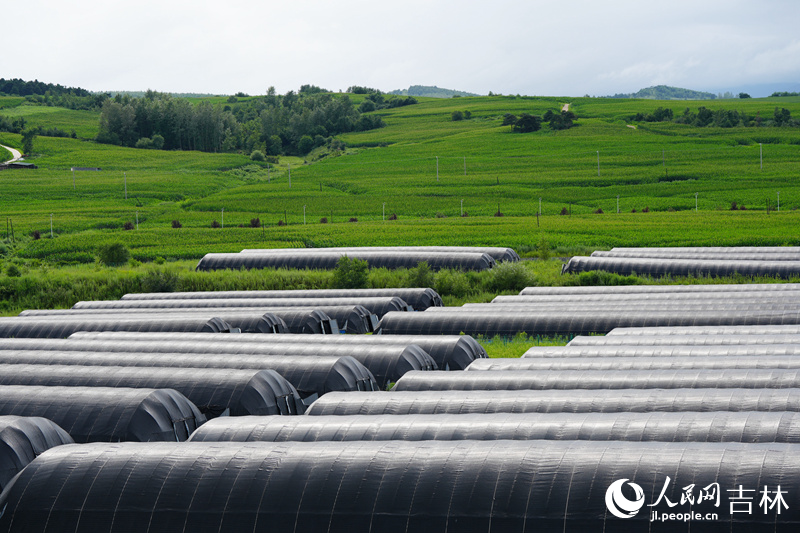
x: 431, y: 92
x: 526, y: 122
x: 69, y: 101
x: 12, y: 125
x: 461, y: 115
x: 559, y: 120
x: 375, y: 101
x: 784, y: 93
x: 47, y: 94
x: 17, y: 125
x: 720, y: 118
x: 293, y: 123
x: 659, y: 115
x: 665, y: 92
x: 18, y: 87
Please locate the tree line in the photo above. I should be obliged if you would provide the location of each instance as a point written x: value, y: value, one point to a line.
x: 525, y: 123
x: 720, y: 118
x: 273, y: 124
x: 18, y: 87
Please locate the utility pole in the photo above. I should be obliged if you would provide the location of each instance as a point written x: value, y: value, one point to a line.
x: 540, y: 205
x: 618, y: 204
x: 73, y: 179
x: 695, y: 202
x: 137, y: 219
x: 462, y: 207
x: 383, y: 212
x: 304, y: 215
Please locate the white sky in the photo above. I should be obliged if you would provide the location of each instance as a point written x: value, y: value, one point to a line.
x: 566, y: 48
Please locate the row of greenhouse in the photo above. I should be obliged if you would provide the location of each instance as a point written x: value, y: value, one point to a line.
x: 710, y: 262
x: 516, y: 444
x: 581, y: 310
x: 683, y: 409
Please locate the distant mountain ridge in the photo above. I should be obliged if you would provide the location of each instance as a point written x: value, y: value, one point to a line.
x: 665, y: 92
x: 431, y: 92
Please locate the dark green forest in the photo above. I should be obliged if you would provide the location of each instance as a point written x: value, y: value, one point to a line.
x: 294, y: 123
x: 720, y: 118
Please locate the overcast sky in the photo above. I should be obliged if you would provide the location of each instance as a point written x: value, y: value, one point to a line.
x: 566, y: 48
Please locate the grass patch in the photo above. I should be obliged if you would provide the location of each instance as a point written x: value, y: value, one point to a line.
x: 516, y: 346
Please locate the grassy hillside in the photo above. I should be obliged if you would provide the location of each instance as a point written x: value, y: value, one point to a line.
x: 657, y: 167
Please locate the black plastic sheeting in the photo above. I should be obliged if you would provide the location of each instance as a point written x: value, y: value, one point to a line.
x: 22, y: 439
x: 245, y: 320
x: 452, y: 352
x: 730, y: 250
x: 351, y: 319
x: 601, y: 379
x: 61, y: 327
x: 676, y: 351
x: 555, y: 401
x: 793, y: 329
x: 306, y: 376
x: 600, y: 298
x: 651, y: 289
x: 682, y: 267
x: 714, y: 256
x: 754, y: 426
x: 459, y: 487
x: 682, y: 340
x: 636, y: 363
x: 213, y: 391
x: 326, y: 260
x: 296, y: 362
x: 452, y: 321
x: 354, y: 319
x: 308, y: 321
x: 497, y: 253
x: 296, y: 320
x: 98, y: 414
x: 689, y: 306
x: 418, y: 298
x: 380, y: 305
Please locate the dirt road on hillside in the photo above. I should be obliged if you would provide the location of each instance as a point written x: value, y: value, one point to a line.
x: 15, y: 154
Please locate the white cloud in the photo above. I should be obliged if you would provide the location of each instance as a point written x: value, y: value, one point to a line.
x: 568, y: 48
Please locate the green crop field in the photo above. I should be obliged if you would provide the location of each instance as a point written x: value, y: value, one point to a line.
x: 424, y: 168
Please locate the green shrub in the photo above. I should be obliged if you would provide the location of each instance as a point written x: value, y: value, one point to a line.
x: 160, y: 280
x: 543, y: 250
x: 448, y: 282
x: 113, y: 254
x: 350, y: 273
x: 508, y: 276
x: 421, y: 275
x: 13, y: 271
x: 257, y: 155
x: 599, y: 277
